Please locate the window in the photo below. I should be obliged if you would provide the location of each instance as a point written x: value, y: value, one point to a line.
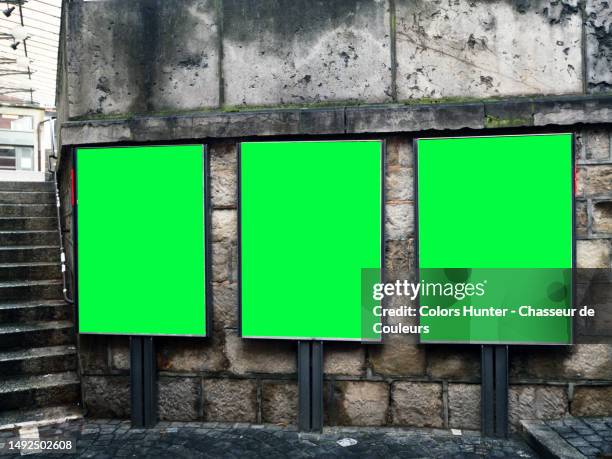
x: 16, y: 122
x: 16, y: 158
x: 16, y: 142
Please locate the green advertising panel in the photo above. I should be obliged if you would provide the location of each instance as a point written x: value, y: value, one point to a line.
x: 140, y: 215
x: 310, y: 225
x: 495, y: 223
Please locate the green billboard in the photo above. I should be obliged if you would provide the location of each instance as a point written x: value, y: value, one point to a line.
x: 141, y: 219
x: 310, y: 224
x: 495, y: 214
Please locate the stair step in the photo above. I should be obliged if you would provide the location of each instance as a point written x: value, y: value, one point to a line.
x: 30, y: 253
x: 30, y: 271
x: 27, y: 197
x: 38, y: 360
x: 36, y: 334
x: 31, y: 290
x: 34, y: 311
x: 10, y: 238
x: 17, y: 392
x: 28, y: 223
x: 12, y: 420
x: 27, y: 186
x: 28, y: 210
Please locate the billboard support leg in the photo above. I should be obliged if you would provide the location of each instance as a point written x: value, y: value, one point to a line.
x: 136, y: 386
x: 487, y: 425
x: 304, y: 392
x: 316, y: 411
x: 143, y: 382
x: 149, y: 371
x: 310, y: 386
x: 494, y: 391
x: 501, y: 391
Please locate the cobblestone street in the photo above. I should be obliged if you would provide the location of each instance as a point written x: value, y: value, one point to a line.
x: 112, y: 438
x: 590, y: 437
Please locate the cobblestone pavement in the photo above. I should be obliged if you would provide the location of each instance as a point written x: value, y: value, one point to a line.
x: 591, y: 436
x: 112, y: 438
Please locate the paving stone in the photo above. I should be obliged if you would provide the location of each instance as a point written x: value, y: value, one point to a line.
x: 588, y: 450
x: 570, y: 437
x: 596, y: 425
x: 241, y: 440
x: 577, y: 442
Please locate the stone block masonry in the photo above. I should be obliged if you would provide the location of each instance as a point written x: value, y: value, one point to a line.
x: 225, y: 378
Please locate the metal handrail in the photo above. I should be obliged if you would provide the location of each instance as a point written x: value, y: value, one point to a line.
x: 58, y: 209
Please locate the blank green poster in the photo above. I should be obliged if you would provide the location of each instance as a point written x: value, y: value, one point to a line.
x: 310, y: 221
x: 496, y: 211
x: 140, y: 233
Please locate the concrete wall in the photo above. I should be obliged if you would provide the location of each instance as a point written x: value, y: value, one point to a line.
x: 180, y: 55
x: 137, y: 71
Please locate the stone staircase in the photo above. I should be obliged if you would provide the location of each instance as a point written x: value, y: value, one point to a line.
x: 38, y: 360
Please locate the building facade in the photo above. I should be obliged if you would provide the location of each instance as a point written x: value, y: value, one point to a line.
x: 221, y: 72
x: 26, y: 142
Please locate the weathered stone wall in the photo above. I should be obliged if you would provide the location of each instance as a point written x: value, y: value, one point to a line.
x: 180, y: 55
x: 167, y: 59
x: 225, y: 378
